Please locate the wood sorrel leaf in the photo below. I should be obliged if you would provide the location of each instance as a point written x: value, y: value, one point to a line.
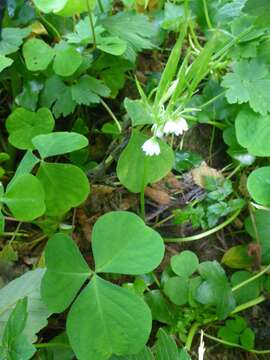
x: 66, y: 272
x: 176, y: 288
x: 67, y: 60
x: 144, y: 354
x: 66, y: 186
x: 215, y: 290
x: 37, y: 54
x: 23, y: 125
x: 25, y: 198
x: 185, y: 264
x: 258, y: 185
x: 59, y: 143
x: 107, y: 319
x: 135, y: 170
x: 123, y: 244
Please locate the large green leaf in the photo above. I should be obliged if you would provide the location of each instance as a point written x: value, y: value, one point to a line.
x: 15, y: 345
x: 262, y: 221
x: 215, y: 290
x: 145, y: 354
x: 66, y: 186
x: 73, y: 7
x: 122, y: 243
x: 135, y: 170
x: 27, y: 285
x: 59, y: 143
x: 66, y: 272
x: 253, y: 132
x: 23, y: 125
x: 259, y: 8
x: 258, y: 185
x: 107, y: 319
x: 25, y: 198
x: 165, y: 348
x: 37, y: 54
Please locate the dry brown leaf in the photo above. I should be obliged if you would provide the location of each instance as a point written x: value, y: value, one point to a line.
x: 199, y: 174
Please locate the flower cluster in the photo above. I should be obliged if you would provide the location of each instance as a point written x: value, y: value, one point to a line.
x: 177, y: 127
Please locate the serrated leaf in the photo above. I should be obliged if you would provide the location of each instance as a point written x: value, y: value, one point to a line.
x: 143, y: 170
x: 23, y: 125
x: 11, y: 39
x: 88, y: 90
x: 58, y: 143
x: 66, y: 272
x: 57, y: 95
x: 116, y: 314
x: 66, y: 186
x: 123, y: 244
x: 37, y: 54
x: 25, y: 198
x: 249, y: 82
x: 135, y: 29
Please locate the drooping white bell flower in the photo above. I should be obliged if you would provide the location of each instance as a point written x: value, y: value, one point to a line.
x: 176, y: 127
x: 157, y: 130
x: 151, y: 147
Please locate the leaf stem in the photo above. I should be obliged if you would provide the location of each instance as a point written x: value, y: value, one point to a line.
x: 112, y: 115
x: 259, y: 274
x: 206, y: 13
x: 92, y: 27
x: 206, y: 233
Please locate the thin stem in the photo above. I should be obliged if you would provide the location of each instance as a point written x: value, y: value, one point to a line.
x: 211, y: 145
x: 253, y: 221
x: 254, y: 351
x: 234, y: 172
x: 206, y: 13
x: 54, y: 30
x: 100, y: 5
x: 248, y: 304
x: 206, y: 233
x: 164, y: 220
x: 92, y: 27
x: 112, y: 115
x: 209, y: 102
x: 15, y: 233
x: 259, y: 274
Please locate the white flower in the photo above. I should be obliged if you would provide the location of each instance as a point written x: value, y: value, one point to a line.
x: 176, y: 127
x: 151, y: 147
x: 157, y: 130
x: 201, y: 348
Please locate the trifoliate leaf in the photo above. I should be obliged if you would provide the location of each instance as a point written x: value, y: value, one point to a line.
x: 135, y: 29
x: 249, y: 82
x: 88, y: 90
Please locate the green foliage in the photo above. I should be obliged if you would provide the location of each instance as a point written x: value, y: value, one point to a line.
x: 143, y: 170
x: 37, y: 54
x: 258, y: 185
x: 184, y: 264
x: 23, y: 125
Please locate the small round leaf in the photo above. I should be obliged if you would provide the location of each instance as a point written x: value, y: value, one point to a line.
x: 185, y: 264
x: 37, y: 54
x: 258, y: 185
x: 177, y: 288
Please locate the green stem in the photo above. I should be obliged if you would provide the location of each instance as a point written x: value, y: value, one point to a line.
x: 53, y: 29
x: 209, y: 102
x: 100, y: 5
x: 206, y: 13
x: 52, y: 345
x: 234, y: 171
x: 112, y: 115
x: 249, y: 304
x: 254, y: 351
x: 191, y: 334
x: 206, y: 233
x: 259, y: 274
x: 91, y: 24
